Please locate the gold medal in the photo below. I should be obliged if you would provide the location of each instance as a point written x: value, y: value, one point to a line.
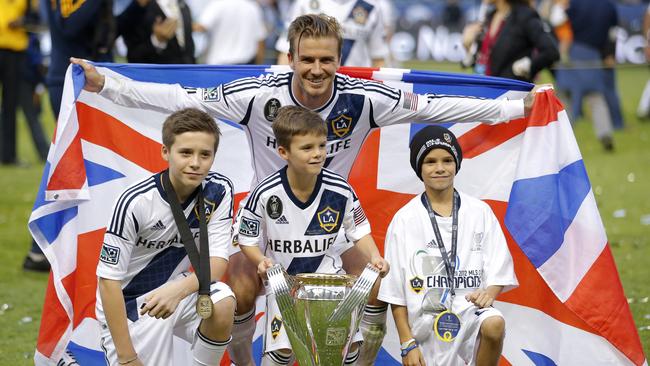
x: 204, y: 306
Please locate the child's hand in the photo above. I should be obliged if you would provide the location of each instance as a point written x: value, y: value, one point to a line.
x: 263, y: 266
x: 381, y: 265
x: 162, y: 302
x: 480, y: 298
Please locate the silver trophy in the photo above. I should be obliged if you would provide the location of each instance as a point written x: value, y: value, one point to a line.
x: 424, y: 264
x: 321, y: 312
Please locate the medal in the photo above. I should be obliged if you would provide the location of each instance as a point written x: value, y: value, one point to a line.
x: 204, y: 306
x: 446, y: 326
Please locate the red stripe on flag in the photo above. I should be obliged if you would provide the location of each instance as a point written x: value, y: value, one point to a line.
x: 84, y: 279
x: 70, y: 172
x: 533, y: 291
x: 102, y: 129
x: 54, y: 321
x: 599, y: 300
x: 359, y: 72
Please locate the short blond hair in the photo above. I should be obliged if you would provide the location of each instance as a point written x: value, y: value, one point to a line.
x: 314, y: 26
x: 296, y: 121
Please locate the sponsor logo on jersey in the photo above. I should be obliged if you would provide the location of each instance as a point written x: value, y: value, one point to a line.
x: 109, y: 254
x: 249, y: 227
x: 282, y: 220
x: 276, y: 325
x: 271, y: 109
x: 211, y: 94
x: 158, y: 226
x: 328, y: 218
x: 341, y: 125
x: 416, y: 284
x: 274, y: 207
x: 360, y: 15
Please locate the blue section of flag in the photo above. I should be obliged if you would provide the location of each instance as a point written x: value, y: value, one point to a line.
x: 50, y: 225
x: 78, y: 80
x: 98, y: 174
x: 459, y: 84
x: 539, y: 359
x: 549, y: 204
x: 86, y: 356
x: 40, y: 196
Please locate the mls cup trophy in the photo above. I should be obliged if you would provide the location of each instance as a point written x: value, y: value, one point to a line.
x: 321, y: 312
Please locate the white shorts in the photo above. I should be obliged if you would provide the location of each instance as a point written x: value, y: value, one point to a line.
x: 462, y: 351
x: 153, y: 338
x: 275, y: 336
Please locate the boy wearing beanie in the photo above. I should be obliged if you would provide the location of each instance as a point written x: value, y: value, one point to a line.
x: 450, y: 260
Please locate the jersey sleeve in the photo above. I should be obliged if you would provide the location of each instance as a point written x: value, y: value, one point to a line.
x: 252, y: 224
x: 392, y: 106
x: 392, y: 286
x: 355, y: 222
x: 224, y: 101
x: 220, y: 224
x: 498, y: 267
x: 119, y: 240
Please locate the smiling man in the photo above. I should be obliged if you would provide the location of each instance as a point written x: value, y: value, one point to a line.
x: 351, y: 108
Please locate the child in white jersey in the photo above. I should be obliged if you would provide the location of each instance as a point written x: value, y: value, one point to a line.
x: 294, y: 216
x: 146, y: 294
x: 450, y: 261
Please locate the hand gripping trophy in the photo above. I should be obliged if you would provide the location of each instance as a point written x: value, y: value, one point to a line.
x: 321, y: 312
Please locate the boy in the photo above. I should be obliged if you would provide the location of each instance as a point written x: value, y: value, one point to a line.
x: 294, y: 216
x: 441, y: 296
x: 145, y: 293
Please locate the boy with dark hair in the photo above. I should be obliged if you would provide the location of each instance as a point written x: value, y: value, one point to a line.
x: 294, y: 216
x: 451, y: 261
x: 146, y: 294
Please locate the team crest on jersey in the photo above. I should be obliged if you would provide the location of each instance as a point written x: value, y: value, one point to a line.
x: 274, y: 207
x: 109, y: 254
x: 249, y: 227
x: 341, y: 125
x: 360, y: 15
x: 276, y: 325
x: 271, y: 109
x: 328, y: 218
x: 416, y: 284
x: 209, y: 209
x: 211, y: 94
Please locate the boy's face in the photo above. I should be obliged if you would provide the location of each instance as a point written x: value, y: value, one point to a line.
x: 438, y: 170
x: 306, y: 154
x: 190, y: 158
x: 314, y: 64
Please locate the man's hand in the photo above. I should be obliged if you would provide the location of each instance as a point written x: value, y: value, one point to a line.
x: 94, y: 80
x: 530, y: 97
x: 162, y: 302
x: 381, y: 265
x: 264, y: 266
x: 164, y: 30
x: 480, y: 298
x: 414, y: 358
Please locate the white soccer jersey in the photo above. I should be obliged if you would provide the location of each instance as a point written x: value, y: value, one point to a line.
x: 300, y: 235
x: 364, y: 32
x: 142, y: 246
x: 354, y: 109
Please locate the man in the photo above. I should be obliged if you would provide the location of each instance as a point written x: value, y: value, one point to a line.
x: 351, y: 107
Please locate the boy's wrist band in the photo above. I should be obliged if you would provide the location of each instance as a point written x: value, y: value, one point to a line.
x: 404, y: 345
x: 408, y: 349
x: 128, y: 361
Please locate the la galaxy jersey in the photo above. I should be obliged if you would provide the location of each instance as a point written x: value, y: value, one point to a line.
x: 355, y: 107
x: 300, y: 235
x: 142, y: 246
x: 364, y: 34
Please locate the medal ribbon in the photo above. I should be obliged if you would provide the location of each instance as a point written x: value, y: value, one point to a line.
x: 450, y: 263
x: 201, y: 263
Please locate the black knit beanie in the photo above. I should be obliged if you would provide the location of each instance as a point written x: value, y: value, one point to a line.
x: 433, y: 137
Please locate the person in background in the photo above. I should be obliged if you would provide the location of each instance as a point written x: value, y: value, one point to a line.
x: 643, y: 110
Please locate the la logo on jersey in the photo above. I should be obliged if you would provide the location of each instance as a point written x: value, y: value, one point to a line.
x: 276, y: 325
x: 328, y: 218
x: 341, y: 125
x: 416, y: 284
x: 209, y: 208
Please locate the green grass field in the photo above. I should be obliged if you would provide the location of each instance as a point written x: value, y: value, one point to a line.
x: 619, y: 181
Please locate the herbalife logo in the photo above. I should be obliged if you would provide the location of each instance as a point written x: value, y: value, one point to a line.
x: 282, y: 220
x: 159, y: 226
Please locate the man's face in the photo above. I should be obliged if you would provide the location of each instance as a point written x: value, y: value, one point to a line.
x: 306, y: 154
x: 314, y: 64
x: 438, y: 170
x: 190, y: 158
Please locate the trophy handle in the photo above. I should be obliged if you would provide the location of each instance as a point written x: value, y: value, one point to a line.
x: 357, y: 296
